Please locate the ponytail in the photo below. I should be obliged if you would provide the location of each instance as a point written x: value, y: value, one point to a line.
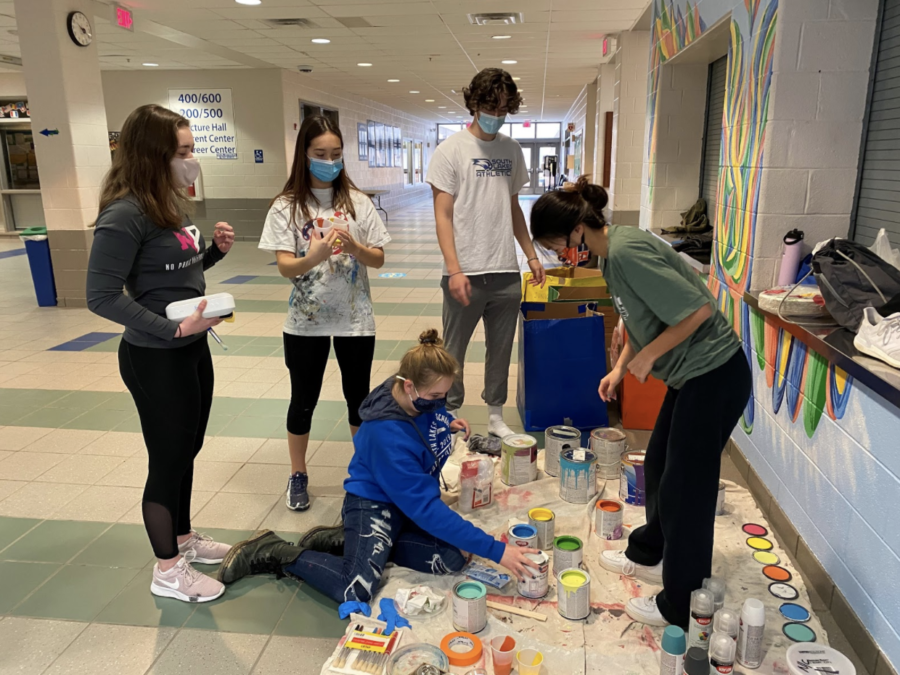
x: 557, y: 213
x: 427, y: 362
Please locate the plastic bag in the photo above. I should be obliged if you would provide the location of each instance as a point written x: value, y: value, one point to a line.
x: 33, y: 237
x: 882, y: 248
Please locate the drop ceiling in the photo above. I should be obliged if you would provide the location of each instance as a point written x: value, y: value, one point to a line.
x: 429, y: 45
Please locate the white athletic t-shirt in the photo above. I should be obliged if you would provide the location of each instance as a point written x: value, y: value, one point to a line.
x: 333, y: 298
x: 482, y: 176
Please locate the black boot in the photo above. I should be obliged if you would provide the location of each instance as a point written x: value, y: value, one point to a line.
x: 264, y: 553
x: 324, y: 540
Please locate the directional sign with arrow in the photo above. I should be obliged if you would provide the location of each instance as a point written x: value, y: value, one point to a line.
x: 50, y: 132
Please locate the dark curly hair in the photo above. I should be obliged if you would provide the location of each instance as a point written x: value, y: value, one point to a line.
x: 486, y: 89
x: 559, y: 212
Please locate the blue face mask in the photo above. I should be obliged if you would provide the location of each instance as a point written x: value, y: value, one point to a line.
x: 425, y: 405
x: 325, y: 170
x: 490, y: 124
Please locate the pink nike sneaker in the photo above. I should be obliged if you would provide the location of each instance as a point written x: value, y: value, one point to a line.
x: 208, y: 552
x: 184, y: 583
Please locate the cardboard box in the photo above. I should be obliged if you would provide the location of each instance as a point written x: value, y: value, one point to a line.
x: 556, y: 310
x: 564, y: 280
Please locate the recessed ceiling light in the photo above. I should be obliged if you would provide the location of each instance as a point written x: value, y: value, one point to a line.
x: 150, y: 65
x: 429, y: 100
x: 248, y: 2
x: 442, y: 107
x: 509, y: 62
x: 364, y: 65
x: 517, y: 78
x: 501, y: 37
x: 393, y: 80
x: 320, y: 41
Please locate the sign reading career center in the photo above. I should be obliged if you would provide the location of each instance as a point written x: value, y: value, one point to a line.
x: 211, y: 114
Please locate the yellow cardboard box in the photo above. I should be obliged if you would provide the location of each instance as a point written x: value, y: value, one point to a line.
x: 568, y: 283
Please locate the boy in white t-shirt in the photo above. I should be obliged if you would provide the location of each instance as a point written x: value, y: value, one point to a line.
x: 476, y: 175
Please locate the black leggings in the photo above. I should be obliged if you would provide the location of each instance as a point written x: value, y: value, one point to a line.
x: 173, y: 390
x: 681, y: 477
x: 306, y: 358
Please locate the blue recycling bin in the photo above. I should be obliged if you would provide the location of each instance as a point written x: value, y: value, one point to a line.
x: 37, y: 248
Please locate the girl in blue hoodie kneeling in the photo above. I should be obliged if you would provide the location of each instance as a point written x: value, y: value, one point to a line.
x: 392, y: 510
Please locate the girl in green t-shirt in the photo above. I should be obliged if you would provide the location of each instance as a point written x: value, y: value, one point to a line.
x: 676, y: 334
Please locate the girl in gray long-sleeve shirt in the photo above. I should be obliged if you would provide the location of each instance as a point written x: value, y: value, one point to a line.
x: 145, y: 242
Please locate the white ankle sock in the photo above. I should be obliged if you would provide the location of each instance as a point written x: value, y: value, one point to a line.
x: 496, y: 425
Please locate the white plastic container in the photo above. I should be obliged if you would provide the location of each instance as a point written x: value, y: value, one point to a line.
x: 750, y: 637
x: 217, y: 305
x: 476, y: 483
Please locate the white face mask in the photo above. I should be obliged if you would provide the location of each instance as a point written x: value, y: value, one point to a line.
x: 185, y: 171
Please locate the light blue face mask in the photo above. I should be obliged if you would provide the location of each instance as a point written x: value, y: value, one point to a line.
x: 489, y: 123
x: 325, y: 170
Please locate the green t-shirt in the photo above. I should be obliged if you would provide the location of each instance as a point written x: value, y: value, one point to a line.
x: 653, y: 288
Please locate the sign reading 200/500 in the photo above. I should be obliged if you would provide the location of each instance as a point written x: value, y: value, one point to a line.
x: 211, y: 114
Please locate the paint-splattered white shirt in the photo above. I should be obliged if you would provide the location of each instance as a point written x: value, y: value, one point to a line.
x: 333, y: 298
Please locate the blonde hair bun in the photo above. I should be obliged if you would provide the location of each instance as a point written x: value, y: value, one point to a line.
x: 430, y: 337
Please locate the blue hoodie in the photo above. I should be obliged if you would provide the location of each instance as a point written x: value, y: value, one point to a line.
x: 398, y: 460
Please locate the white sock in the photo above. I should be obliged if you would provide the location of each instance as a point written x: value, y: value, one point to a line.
x: 496, y: 425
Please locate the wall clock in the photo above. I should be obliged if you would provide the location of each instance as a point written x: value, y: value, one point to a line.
x: 79, y: 29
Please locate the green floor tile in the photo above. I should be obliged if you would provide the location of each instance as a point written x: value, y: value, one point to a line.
x: 235, y: 341
x: 311, y: 614
x: 18, y: 579
x: 331, y: 410
x: 222, y: 405
x: 122, y: 545
x: 255, y: 427
x: 52, y: 418
x: 111, y: 345
x: 102, y: 420
x: 384, y: 308
x: 269, y: 408
x: 137, y: 606
x: 13, y: 528
x: 30, y: 398
x: 341, y: 433
x: 252, y: 350
x: 76, y: 593
x: 264, y: 341
x: 252, y: 605
x: 408, y: 309
x: 131, y: 425
x: 9, y: 414
x: 321, y: 429
x: 54, y: 541
x: 119, y: 401
x: 433, y: 309
x: 82, y: 400
x: 217, y: 424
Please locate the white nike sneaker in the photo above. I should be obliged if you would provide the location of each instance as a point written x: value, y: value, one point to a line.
x: 616, y: 561
x: 644, y: 610
x: 879, y: 337
x: 184, y: 583
x: 208, y: 552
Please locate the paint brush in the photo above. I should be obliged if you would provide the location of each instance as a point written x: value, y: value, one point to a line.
x: 216, y: 337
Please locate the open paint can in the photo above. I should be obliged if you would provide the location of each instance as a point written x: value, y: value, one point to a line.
x: 577, y: 475
x: 573, y: 594
x: 568, y: 553
x: 608, y: 519
x: 518, y: 459
x: 544, y: 522
x: 523, y: 535
x: 631, y: 483
x: 608, y: 445
x: 557, y: 439
x: 536, y: 583
x: 469, y: 606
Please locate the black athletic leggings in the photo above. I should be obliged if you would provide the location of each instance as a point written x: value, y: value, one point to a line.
x: 306, y: 359
x: 173, y: 390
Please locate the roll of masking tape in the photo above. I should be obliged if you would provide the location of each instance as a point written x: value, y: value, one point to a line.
x: 461, y: 649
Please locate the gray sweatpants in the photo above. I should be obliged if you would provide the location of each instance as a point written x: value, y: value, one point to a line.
x: 496, y: 299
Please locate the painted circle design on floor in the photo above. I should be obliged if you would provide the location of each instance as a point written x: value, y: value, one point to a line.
x: 392, y: 275
x: 776, y: 573
x: 755, y: 530
x: 760, y: 544
x: 799, y: 632
x: 794, y: 612
x: 783, y: 591
x: 766, y: 558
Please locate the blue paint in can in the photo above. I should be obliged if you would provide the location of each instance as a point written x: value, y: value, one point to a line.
x: 577, y: 475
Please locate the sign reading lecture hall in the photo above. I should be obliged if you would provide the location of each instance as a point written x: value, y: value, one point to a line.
x: 211, y: 115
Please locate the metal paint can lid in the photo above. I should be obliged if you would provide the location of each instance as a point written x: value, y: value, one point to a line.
x: 579, y: 456
x: 804, y: 657
x: 520, y: 441
x: 540, y: 558
x: 634, y: 456
x: 564, y: 433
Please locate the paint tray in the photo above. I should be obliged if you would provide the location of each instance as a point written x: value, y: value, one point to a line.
x: 367, y: 652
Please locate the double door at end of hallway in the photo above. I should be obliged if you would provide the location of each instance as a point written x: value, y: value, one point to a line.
x: 535, y: 154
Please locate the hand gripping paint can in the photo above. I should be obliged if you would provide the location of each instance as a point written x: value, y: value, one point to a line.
x: 518, y: 459
x: 577, y: 475
x: 544, y: 522
x: 568, y: 553
x: 573, y: 594
x: 631, y: 482
x: 608, y: 445
x: 557, y: 439
x: 523, y: 535
x: 608, y: 519
x: 535, y: 584
x: 469, y: 606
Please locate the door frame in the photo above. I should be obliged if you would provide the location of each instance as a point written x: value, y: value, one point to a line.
x: 535, y: 171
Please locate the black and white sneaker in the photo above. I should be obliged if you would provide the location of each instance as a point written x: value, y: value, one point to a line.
x: 297, y: 498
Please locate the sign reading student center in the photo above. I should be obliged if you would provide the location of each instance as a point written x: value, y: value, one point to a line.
x: 211, y: 114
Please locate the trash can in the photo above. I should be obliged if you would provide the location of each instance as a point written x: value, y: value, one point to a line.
x: 38, y: 250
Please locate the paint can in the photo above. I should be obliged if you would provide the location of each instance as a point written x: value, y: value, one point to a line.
x: 631, y: 482
x: 557, y: 439
x: 518, y: 459
x: 608, y: 517
x: 568, y: 553
x: 469, y: 606
x: 536, y: 584
x: 720, y: 500
x: 523, y: 535
x: 544, y: 522
x: 573, y: 594
x: 577, y: 475
x: 608, y: 445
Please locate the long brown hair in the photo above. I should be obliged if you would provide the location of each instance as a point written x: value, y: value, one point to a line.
x: 140, y: 167
x: 428, y: 361
x: 559, y: 212
x: 298, y: 189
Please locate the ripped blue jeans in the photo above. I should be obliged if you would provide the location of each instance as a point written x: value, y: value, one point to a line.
x: 375, y: 533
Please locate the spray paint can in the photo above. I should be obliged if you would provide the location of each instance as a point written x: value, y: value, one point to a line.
x: 696, y: 662
x: 721, y: 653
x: 577, y: 475
x: 573, y: 594
x: 518, y: 459
x: 728, y: 622
x: 674, y: 644
x: 469, y: 606
x: 544, y: 522
x: 716, y: 586
x: 700, y: 625
x: 568, y: 553
x: 750, y: 636
x: 720, y: 500
x: 523, y: 535
x: 608, y: 444
x: 631, y: 481
x: 536, y: 583
x: 557, y: 439
x: 608, y: 519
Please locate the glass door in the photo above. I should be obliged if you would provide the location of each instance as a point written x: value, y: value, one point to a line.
x: 539, y: 179
x: 528, y: 188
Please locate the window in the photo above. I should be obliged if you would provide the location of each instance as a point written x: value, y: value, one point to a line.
x: 407, y: 161
x: 522, y: 133
x: 712, y: 135
x: 417, y: 162
x: 310, y: 109
x: 548, y: 130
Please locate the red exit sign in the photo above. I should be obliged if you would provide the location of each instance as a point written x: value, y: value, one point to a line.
x: 124, y: 17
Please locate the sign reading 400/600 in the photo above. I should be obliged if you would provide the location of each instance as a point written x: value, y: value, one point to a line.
x: 211, y: 114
